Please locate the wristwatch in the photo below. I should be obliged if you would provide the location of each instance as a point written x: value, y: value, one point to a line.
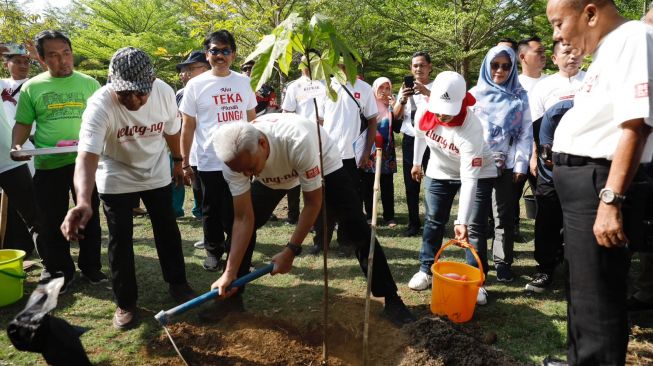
x: 610, y: 197
x: 296, y: 249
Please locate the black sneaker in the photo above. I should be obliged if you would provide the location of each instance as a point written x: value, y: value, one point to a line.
x: 396, y: 311
x: 211, y: 263
x: 504, y: 273
x: 181, y: 292
x: 66, y: 285
x: 411, y: 231
x: 539, y: 283
x: 221, y: 308
x: 345, y: 251
x: 95, y: 277
x: 550, y: 361
x: 314, y: 249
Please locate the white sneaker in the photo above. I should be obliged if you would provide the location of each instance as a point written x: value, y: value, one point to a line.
x: 199, y: 244
x: 481, y: 298
x: 420, y: 281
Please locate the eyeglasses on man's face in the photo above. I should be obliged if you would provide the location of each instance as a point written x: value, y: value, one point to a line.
x: 224, y: 51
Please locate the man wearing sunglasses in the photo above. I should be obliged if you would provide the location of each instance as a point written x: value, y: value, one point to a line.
x: 211, y: 100
x: 125, y: 131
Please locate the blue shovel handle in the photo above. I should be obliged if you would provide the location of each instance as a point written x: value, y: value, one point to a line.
x: 164, y: 316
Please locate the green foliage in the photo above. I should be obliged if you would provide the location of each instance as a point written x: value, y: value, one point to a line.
x: 151, y: 25
x: 295, y: 34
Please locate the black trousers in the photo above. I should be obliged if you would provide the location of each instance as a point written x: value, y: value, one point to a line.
x: 548, y: 227
x: 387, y: 194
x: 53, y: 188
x: 342, y: 203
x: 167, y: 240
x: 412, y: 187
x: 23, y: 216
x: 519, y: 190
x: 217, y: 211
x: 354, y: 176
x: 597, y: 322
x: 293, y: 203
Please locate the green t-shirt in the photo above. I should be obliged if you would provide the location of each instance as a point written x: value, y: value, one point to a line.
x: 56, y: 105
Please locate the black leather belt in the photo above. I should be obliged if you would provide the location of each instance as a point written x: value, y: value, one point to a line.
x: 575, y: 160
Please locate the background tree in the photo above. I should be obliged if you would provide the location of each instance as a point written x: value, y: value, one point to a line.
x: 100, y: 27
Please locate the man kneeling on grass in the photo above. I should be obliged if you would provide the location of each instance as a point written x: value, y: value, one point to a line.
x: 122, y: 145
x: 281, y: 151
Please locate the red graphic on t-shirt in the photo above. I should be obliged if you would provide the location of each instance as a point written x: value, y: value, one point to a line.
x: 477, y: 162
x: 357, y: 95
x: 641, y: 90
x: 312, y: 173
x: 229, y: 108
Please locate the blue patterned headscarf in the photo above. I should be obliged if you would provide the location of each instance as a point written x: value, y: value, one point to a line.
x: 501, y: 105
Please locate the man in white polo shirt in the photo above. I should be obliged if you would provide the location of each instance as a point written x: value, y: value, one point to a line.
x: 122, y: 145
x: 299, y: 99
x: 342, y: 121
x: 210, y: 101
x: 547, y: 93
x: 598, y: 147
x: 409, y: 100
x: 559, y: 86
x: 281, y: 151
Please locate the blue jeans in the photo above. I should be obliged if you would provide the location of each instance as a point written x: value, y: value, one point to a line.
x: 439, y: 196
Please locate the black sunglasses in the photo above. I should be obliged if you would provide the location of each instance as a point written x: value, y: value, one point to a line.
x: 505, y: 67
x: 224, y: 51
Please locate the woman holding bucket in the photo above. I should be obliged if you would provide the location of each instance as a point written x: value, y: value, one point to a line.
x: 460, y: 161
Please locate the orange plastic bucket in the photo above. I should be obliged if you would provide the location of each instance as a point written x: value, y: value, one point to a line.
x: 454, y: 298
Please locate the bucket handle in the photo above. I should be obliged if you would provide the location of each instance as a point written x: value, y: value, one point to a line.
x: 463, y: 245
x: 21, y: 276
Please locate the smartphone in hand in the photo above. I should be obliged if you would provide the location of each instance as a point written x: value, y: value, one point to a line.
x: 409, y: 81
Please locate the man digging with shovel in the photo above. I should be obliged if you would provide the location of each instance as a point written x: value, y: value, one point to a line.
x: 281, y: 151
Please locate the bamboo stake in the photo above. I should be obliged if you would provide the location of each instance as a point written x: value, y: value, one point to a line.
x: 370, y: 256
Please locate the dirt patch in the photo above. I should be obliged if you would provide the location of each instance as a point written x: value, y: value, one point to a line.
x: 250, y: 339
x: 436, y: 342
x: 256, y: 339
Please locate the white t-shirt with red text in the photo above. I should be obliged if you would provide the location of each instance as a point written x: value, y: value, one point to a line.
x: 414, y: 103
x: 131, y: 145
x: 299, y: 97
x: 294, y: 157
x: 552, y: 90
x: 213, y: 101
x: 341, y: 118
x: 616, y: 89
x: 456, y: 152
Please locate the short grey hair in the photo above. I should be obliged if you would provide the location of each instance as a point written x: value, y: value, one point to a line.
x: 233, y: 138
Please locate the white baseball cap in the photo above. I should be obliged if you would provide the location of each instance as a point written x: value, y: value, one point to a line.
x: 447, y: 93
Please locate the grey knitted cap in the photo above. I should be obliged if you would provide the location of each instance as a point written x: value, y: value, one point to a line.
x: 131, y: 70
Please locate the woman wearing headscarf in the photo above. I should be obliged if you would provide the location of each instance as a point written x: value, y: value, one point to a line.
x: 502, y: 107
x: 384, y: 139
x: 460, y: 161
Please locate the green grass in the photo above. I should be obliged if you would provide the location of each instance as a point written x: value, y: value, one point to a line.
x: 528, y: 327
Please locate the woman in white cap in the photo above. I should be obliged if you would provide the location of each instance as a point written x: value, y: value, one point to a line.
x: 460, y: 161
